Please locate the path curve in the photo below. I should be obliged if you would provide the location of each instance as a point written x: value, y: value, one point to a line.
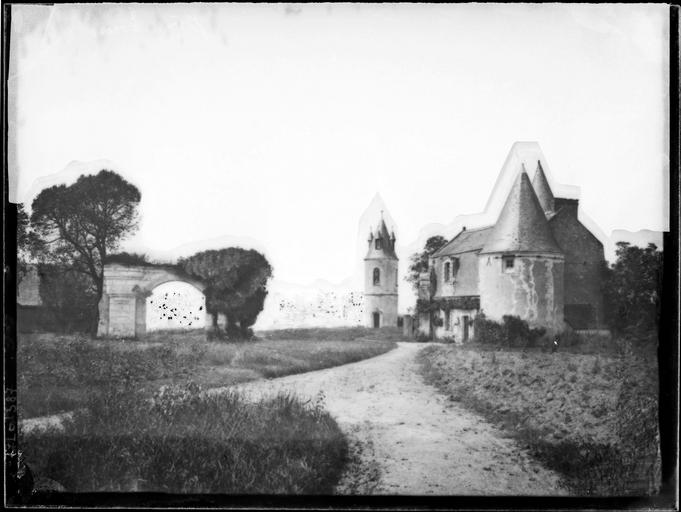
x: 408, y: 438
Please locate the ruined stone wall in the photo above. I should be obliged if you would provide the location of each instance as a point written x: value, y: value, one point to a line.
x: 122, y: 308
x: 584, y: 258
x: 532, y: 290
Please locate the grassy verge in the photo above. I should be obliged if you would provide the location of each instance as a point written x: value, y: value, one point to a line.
x: 591, y: 417
x: 56, y: 373
x: 186, y: 442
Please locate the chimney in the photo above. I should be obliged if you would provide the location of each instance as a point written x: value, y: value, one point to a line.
x: 569, y: 205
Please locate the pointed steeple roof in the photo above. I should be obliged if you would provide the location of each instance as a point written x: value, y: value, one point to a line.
x: 542, y: 189
x: 522, y: 225
x: 387, y: 243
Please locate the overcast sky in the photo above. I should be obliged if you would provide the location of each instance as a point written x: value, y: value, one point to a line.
x: 281, y: 123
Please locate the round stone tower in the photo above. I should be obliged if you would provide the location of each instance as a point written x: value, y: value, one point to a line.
x: 521, y: 266
x: 380, y: 279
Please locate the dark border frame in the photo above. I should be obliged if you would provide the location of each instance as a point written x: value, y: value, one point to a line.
x: 668, y: 353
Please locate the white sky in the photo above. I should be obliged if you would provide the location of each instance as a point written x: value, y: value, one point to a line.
x: 281, y: 123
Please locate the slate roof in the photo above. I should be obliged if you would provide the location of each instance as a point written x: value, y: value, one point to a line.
x: 467, y: 240
x: 387, y: 246
x: 522, y: 225
x: 542, y: 189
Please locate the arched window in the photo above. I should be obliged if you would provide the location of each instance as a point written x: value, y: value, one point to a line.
x: 447, y: 267
x: 379, y: 244
x: 377, y: 277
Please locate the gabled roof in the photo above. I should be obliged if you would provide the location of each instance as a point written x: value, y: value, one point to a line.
x: 387, y: 243
x: 522, y: 225
x: 466, y: 241
x: 542, y: 189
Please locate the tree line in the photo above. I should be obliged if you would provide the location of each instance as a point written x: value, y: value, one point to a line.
x: 74, y: 230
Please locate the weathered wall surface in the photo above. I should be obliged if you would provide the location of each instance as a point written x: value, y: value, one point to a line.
x: 457, y: 324
x: 28, y: 289
x: 533, y: 290
x: 463, y: 282
x: 122, y: 309
x: 381, y: 298
x: 584, y: 258
x: 385, y: 305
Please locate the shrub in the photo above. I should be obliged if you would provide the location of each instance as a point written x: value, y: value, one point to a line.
x: 514, y: 332
x: 487, y: 331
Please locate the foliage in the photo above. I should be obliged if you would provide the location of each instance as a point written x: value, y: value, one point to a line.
x: 446, y: 303
x: 236, y: 284
x: 185, y: 441
x: 128, y: 258
x: 79, y: 224
x: 69, y: 296
x: 418, y: 262
x: 632, y: 288
x: 488, y: 331
x: 513, y: 332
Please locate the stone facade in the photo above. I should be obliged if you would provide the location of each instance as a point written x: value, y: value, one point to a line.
x: 123, y: 306
x: 381, y: 278
x: 532, y: 289
x: 537, y: 262
x: 584, y: 262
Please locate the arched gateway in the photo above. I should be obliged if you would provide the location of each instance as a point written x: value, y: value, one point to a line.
x: 125, y: 298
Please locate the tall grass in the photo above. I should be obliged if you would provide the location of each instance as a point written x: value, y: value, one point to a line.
x: 184, y: 441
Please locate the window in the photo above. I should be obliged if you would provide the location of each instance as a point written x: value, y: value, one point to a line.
x: 447, y: 268
x: 507, y: 263
x: 379, y: 244
x: 455, y: 267
x: 377, y: 277
x: 448, y: 320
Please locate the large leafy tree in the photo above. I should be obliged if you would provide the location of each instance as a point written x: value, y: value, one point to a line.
x: 236, y: 284
x: 418, y: 262
x: 79, y: 224
x: 632, y: 288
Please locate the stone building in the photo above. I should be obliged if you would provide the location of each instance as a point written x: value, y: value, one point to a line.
x: 380, y: 279
x: 538, y: 262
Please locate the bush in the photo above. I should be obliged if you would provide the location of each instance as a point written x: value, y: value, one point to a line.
x: 488, y: 331
x: 514, y: 332
x: 69, y: 296
x: 184, y: 441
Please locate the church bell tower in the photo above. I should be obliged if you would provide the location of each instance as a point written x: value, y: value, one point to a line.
x: 380, y: 278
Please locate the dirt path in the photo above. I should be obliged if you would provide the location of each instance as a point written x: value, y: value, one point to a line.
x: 407, y: 438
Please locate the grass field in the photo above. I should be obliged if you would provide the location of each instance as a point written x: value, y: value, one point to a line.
x: 142, y: 423
x: 57, y: 373
x: 591, y: 417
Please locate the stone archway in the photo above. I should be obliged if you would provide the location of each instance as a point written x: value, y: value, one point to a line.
x: 123, y: 306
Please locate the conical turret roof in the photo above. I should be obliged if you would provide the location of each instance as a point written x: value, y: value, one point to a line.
x: 387, y: 249
x: 522, y: 225
x: 542, y: 189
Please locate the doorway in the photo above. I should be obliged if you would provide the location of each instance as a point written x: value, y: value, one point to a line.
x: 465, y: 328
x: 377, y: 320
